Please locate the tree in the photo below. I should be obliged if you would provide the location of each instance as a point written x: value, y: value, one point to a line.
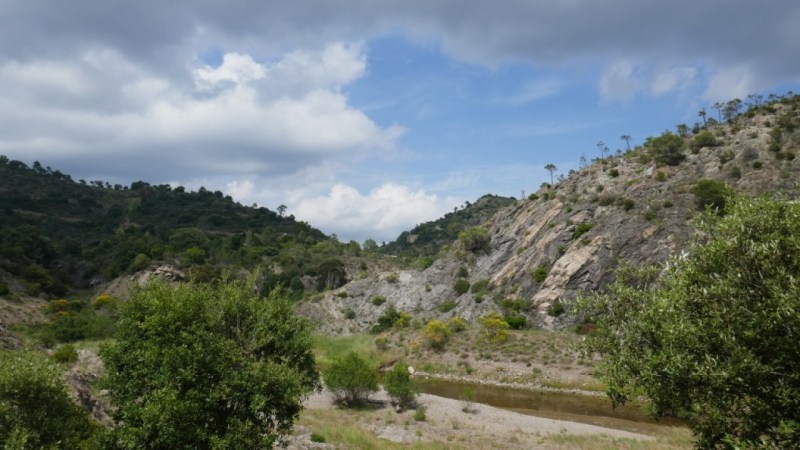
x: 550, y: 168
x: 714, y: 336
x: 207, y: 366
x: 475, y: 239
x: 583, y: 162
x: 35, y: 409
x: 666, y: 149
x: 683, y: 129
x: 711, y: 193
x: 399, y: 386
x: 281, y: 210
x: 627, y: 139
x: 718, y: 106
x: 731, y: 109
x: 702, y: 113
x: 351, y: 379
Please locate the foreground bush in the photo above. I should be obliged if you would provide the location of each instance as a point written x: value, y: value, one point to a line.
x: 207, y: 367
x: 399, y: 386
x: 35, y: 409
x: 714, y: 337
x: 351, y: 380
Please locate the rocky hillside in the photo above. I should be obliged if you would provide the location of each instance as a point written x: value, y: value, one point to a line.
x: 567, y: 239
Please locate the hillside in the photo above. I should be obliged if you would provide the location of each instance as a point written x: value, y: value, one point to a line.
x: 428, y: 238
x: 567, y: 239
x: 58, y: 235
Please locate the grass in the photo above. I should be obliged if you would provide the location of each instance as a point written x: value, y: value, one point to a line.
x: 328, y: 348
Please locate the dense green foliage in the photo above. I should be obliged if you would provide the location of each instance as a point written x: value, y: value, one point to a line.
x: 351, y: 379
x: 400, y: 387
x: 475, y: 240
x: 666, y: 149
x: 207, y: 367
x: 35, y: 409
x: 429, y: 237
x: 711, y: 193
x: 58, y: 234
x: 703, y: 139
x: 714, y: 337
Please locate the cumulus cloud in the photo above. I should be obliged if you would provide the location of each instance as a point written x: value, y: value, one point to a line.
x: 383, y: 213
x: 242, y: 116
x: 531, y: 92
x: 619, y: 81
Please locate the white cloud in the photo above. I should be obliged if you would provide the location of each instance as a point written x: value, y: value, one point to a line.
x: 531, y: 92
x: 381, y: 214
x: 672, y: 79
x: 735, y: 82
x: 242, y: 117
x: 619, y: 81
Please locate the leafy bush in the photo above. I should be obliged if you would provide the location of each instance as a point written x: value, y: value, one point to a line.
x: 712, y: 337
x: 65, y: 354
x: 480, y: 286
x: 420, y: 414
x: 35, y: 409
x: 316, y: 437
x: 613, y: 173
x: 661, y: 176
x: 758, y: 164
x: 436, y: 334
x: 556, y: 309
x: 461, y: 286
x: 703, y: 139
x: 351, y: 380
x: 710, y: 193
x: 540, y: 273
x: 628, y: 204
x: 185, y: 354
x: 4, y: 289
x: 666, y: 149
x: 378, y: 300
x: 392, y: 278
x: 349, y: 314
x: 475, y: 240
x: 462, y: 272
x: 516, y: 322
x: 495, y: 329
x: 447, y: 306
x: 386, y: 320
x: 581, y: 229
x: 382, y: 343
x: 457, y: 324
x: 342, y: 294
x: 533, y: 196
x: 399, y: 386
x: 668, y: 203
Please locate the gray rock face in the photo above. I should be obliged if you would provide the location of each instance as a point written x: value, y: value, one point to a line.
x: 579, y: 231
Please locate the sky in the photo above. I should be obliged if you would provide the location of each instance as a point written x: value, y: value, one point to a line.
x: 367, y: 117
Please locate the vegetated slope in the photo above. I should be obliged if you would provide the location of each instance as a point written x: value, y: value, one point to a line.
x: 428, y: 238
x: 567, y: 239
x: 57, y: 234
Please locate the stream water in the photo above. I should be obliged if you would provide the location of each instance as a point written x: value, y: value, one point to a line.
x: 595, y: 410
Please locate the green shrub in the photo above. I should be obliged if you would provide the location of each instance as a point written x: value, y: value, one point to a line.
x: 35, y: 409
x: 462, y: 272
x: 661, y: 176
x: 4, y: 289
x: 378, y: 300
x: 475, y: 240
x: 628, y: 204
x: 192, y: 352
x: 703, y: 139
x: 316, y: 437
x: 581, y: 229
x: 457, y: 324
x: 461, y: 286
x: 516, y: 322
x: 392, y: 278
x: 533, y: 197
x: 668, y: 203
x: 349, y: 314
x: 540, y: 273
x: 399, y: 386
x: 649, y: 215
x: 436, y: 334
x: 65, y: 354
x: 736, y: 172
x: 386, y: 321
x: 758, y: 164
x: 556, y: 309
x: 666, y: 149
x: 480, y: 286
x: 495, y: 329
x: 447, y: 306
x: 351, y: 379
x: 613, y: 173
x: 382, y: 343
x: 342, y: 294
x: 420, y: 414
x: 710, y: 193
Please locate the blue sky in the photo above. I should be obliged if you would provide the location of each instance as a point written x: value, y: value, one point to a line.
x: 366, y: 118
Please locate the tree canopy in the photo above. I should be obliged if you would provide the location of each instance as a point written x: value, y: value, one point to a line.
x: 207, y: 367
x: 714, y: 337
